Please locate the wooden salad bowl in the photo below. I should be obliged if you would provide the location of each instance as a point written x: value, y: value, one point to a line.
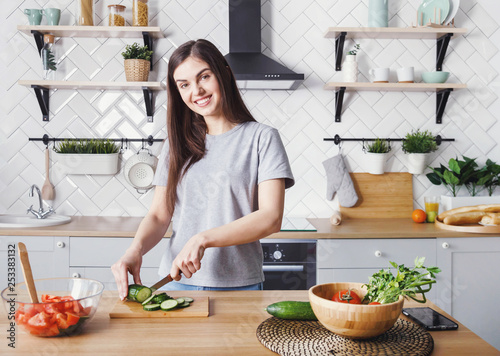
x: 354, y: 321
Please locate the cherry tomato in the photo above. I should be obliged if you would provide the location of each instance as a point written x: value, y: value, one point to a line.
x: 346, y: 296
x: 374, y: 303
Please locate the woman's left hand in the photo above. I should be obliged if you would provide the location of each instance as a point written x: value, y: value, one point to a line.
x: 188, y: 261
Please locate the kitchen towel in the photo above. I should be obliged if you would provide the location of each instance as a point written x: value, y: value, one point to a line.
x: 339, y: 181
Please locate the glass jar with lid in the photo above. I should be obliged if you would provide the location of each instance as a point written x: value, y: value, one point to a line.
x: 85, y: 12
x: 116, y: 15
x: 140, y: 13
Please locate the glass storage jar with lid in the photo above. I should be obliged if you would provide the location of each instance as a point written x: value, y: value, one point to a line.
x: 116, y: 15
x: 85, y: 12
x: 140, y: 13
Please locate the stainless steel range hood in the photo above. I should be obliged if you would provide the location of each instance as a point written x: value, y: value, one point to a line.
x: 254, y: 70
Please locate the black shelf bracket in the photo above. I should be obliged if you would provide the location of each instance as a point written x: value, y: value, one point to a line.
x: 339, y: 101
x: 148, y: 100
x: 148, y: 41
x: 38, y: 40
x: 42, y: 95
x: 442, y: 47
x: 339, y: 50
x: 441, y: 101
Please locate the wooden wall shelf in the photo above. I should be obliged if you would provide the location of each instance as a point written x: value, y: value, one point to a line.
x: 442, y: 90
x: 42, y: 87
x: 442, y: 35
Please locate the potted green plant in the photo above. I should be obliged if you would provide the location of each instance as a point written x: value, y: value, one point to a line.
x: 95, y: 156
x: 137, y: 62
x: 491, y: 177
x: 461, y: 173
x: 377, y: 156
x: 418, y: 145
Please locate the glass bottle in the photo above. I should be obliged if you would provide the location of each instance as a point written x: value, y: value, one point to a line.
x: 85, y: 12
x: 49, y: 62
x: 140, y: 13
x: 116, y: 15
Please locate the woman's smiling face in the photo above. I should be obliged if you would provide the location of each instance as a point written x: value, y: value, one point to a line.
x: 198, y: 87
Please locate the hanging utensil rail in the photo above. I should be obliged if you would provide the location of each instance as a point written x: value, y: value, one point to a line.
x: 337, y: 139
x: 149, y: 140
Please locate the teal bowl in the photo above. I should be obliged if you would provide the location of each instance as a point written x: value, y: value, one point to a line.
x: 435, y: 77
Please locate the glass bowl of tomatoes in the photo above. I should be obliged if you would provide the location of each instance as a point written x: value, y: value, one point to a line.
x: 65, y: 305
x: 339, y: 307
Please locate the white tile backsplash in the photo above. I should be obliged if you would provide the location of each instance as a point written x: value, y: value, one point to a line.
x: 292, y: 33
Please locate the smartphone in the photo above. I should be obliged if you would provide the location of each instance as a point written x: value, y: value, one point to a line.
x: 430, y: 319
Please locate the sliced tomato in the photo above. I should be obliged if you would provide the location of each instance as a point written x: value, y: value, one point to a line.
x: 61, y: 321
x: 40, y: 320
x: 374, y: 303
x: 52, y: 330
x: 72, y: 318
x: 85, y: 311
x: 30, y: 310
x: 21, y: 319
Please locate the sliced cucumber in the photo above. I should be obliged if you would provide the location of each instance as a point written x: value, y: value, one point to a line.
x: 183, y: 305
x: 138, y: 293
x: 169, y: 304
x: 151, y: 307
x: 148, y: 300
x: 180, y: 300
x: 188, y: 299
x: 159, y: 298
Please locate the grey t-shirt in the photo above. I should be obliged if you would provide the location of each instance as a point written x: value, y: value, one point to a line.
x: 219, y: 189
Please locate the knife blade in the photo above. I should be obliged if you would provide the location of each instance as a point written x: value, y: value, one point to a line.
x: 161, y: 282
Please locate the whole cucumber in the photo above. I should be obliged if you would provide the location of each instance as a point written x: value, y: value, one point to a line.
x: 291, y: 310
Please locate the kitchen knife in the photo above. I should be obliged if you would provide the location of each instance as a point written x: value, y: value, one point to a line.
x: 161, y: 283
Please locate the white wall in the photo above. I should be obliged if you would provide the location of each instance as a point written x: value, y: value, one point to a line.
x: 293, y: 33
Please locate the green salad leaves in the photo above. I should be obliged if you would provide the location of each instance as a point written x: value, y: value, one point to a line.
x: 384, y: 287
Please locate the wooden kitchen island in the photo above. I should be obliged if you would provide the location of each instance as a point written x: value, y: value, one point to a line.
x: 229, y: 330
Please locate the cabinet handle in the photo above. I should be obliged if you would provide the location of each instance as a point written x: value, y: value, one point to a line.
x: 445, y: 245
x: 60, y: 244
x: 378, y: 253
x: 76, y: 275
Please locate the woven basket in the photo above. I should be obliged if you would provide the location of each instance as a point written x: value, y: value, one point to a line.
x: 137, y: 70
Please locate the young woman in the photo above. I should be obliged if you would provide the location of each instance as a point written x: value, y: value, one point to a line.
x: 221, y: 179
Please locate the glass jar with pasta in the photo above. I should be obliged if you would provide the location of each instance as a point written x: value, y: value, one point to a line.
x: 85, y: 12
x: 116, y: 15
x: 140, y: 13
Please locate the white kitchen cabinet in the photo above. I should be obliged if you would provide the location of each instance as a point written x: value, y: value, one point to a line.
x: 48, y: 255
x: 355, y: 260
x: 92, y: 257
x: 469, y: 283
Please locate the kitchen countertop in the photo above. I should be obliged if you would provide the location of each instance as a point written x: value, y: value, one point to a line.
x: 229, y: 330
x: 98, y: 226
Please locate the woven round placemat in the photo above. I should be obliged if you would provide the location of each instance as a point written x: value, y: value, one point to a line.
x: 304, y: 338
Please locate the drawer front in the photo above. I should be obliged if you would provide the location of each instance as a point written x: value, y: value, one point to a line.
x: 149, y: 276
x: 104, y: 251
x: 374, y: 253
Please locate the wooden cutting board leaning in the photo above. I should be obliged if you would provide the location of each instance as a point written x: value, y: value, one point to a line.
x: 388, y: 196
x: 128, y: 309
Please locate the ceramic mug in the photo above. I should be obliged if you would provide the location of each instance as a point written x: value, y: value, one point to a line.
x: 34, y: 16
x: 406, y: 75
x: 378, y: 14
x: 380, y: 75
x: 53, y: 15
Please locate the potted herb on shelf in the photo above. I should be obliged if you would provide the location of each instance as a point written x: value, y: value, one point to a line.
x: 464, y: 172
x: 96, y: 156
x: 377, y: 156
x: 137, y: 62
x: 418, y: 145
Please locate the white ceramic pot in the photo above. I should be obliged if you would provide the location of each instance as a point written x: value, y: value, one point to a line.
x: 448, y: 202
x: 88, y: 163
x: 375, y: 162
x: 417, y: 162
x: 350, y: 69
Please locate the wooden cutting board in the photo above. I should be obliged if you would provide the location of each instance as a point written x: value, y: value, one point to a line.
x: 128, y: 309
x: 388, y: 195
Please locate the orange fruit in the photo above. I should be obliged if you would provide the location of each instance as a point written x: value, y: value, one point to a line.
x: 419, y: 216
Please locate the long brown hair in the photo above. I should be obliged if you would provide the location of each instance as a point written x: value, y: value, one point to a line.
x: 187, y: 129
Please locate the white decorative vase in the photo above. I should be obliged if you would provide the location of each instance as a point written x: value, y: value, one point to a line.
x: 88, y: 163
x: 417, y: 162
x: 375, y: 162
x: 448, y: 202
x: 350, y: 69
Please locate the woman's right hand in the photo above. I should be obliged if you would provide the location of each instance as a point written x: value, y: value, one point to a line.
x: 131, y: 262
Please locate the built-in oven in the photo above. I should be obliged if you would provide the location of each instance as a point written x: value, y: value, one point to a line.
x: 289, y: 264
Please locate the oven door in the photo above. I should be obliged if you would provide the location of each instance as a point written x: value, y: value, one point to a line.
x: 282, y: 276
